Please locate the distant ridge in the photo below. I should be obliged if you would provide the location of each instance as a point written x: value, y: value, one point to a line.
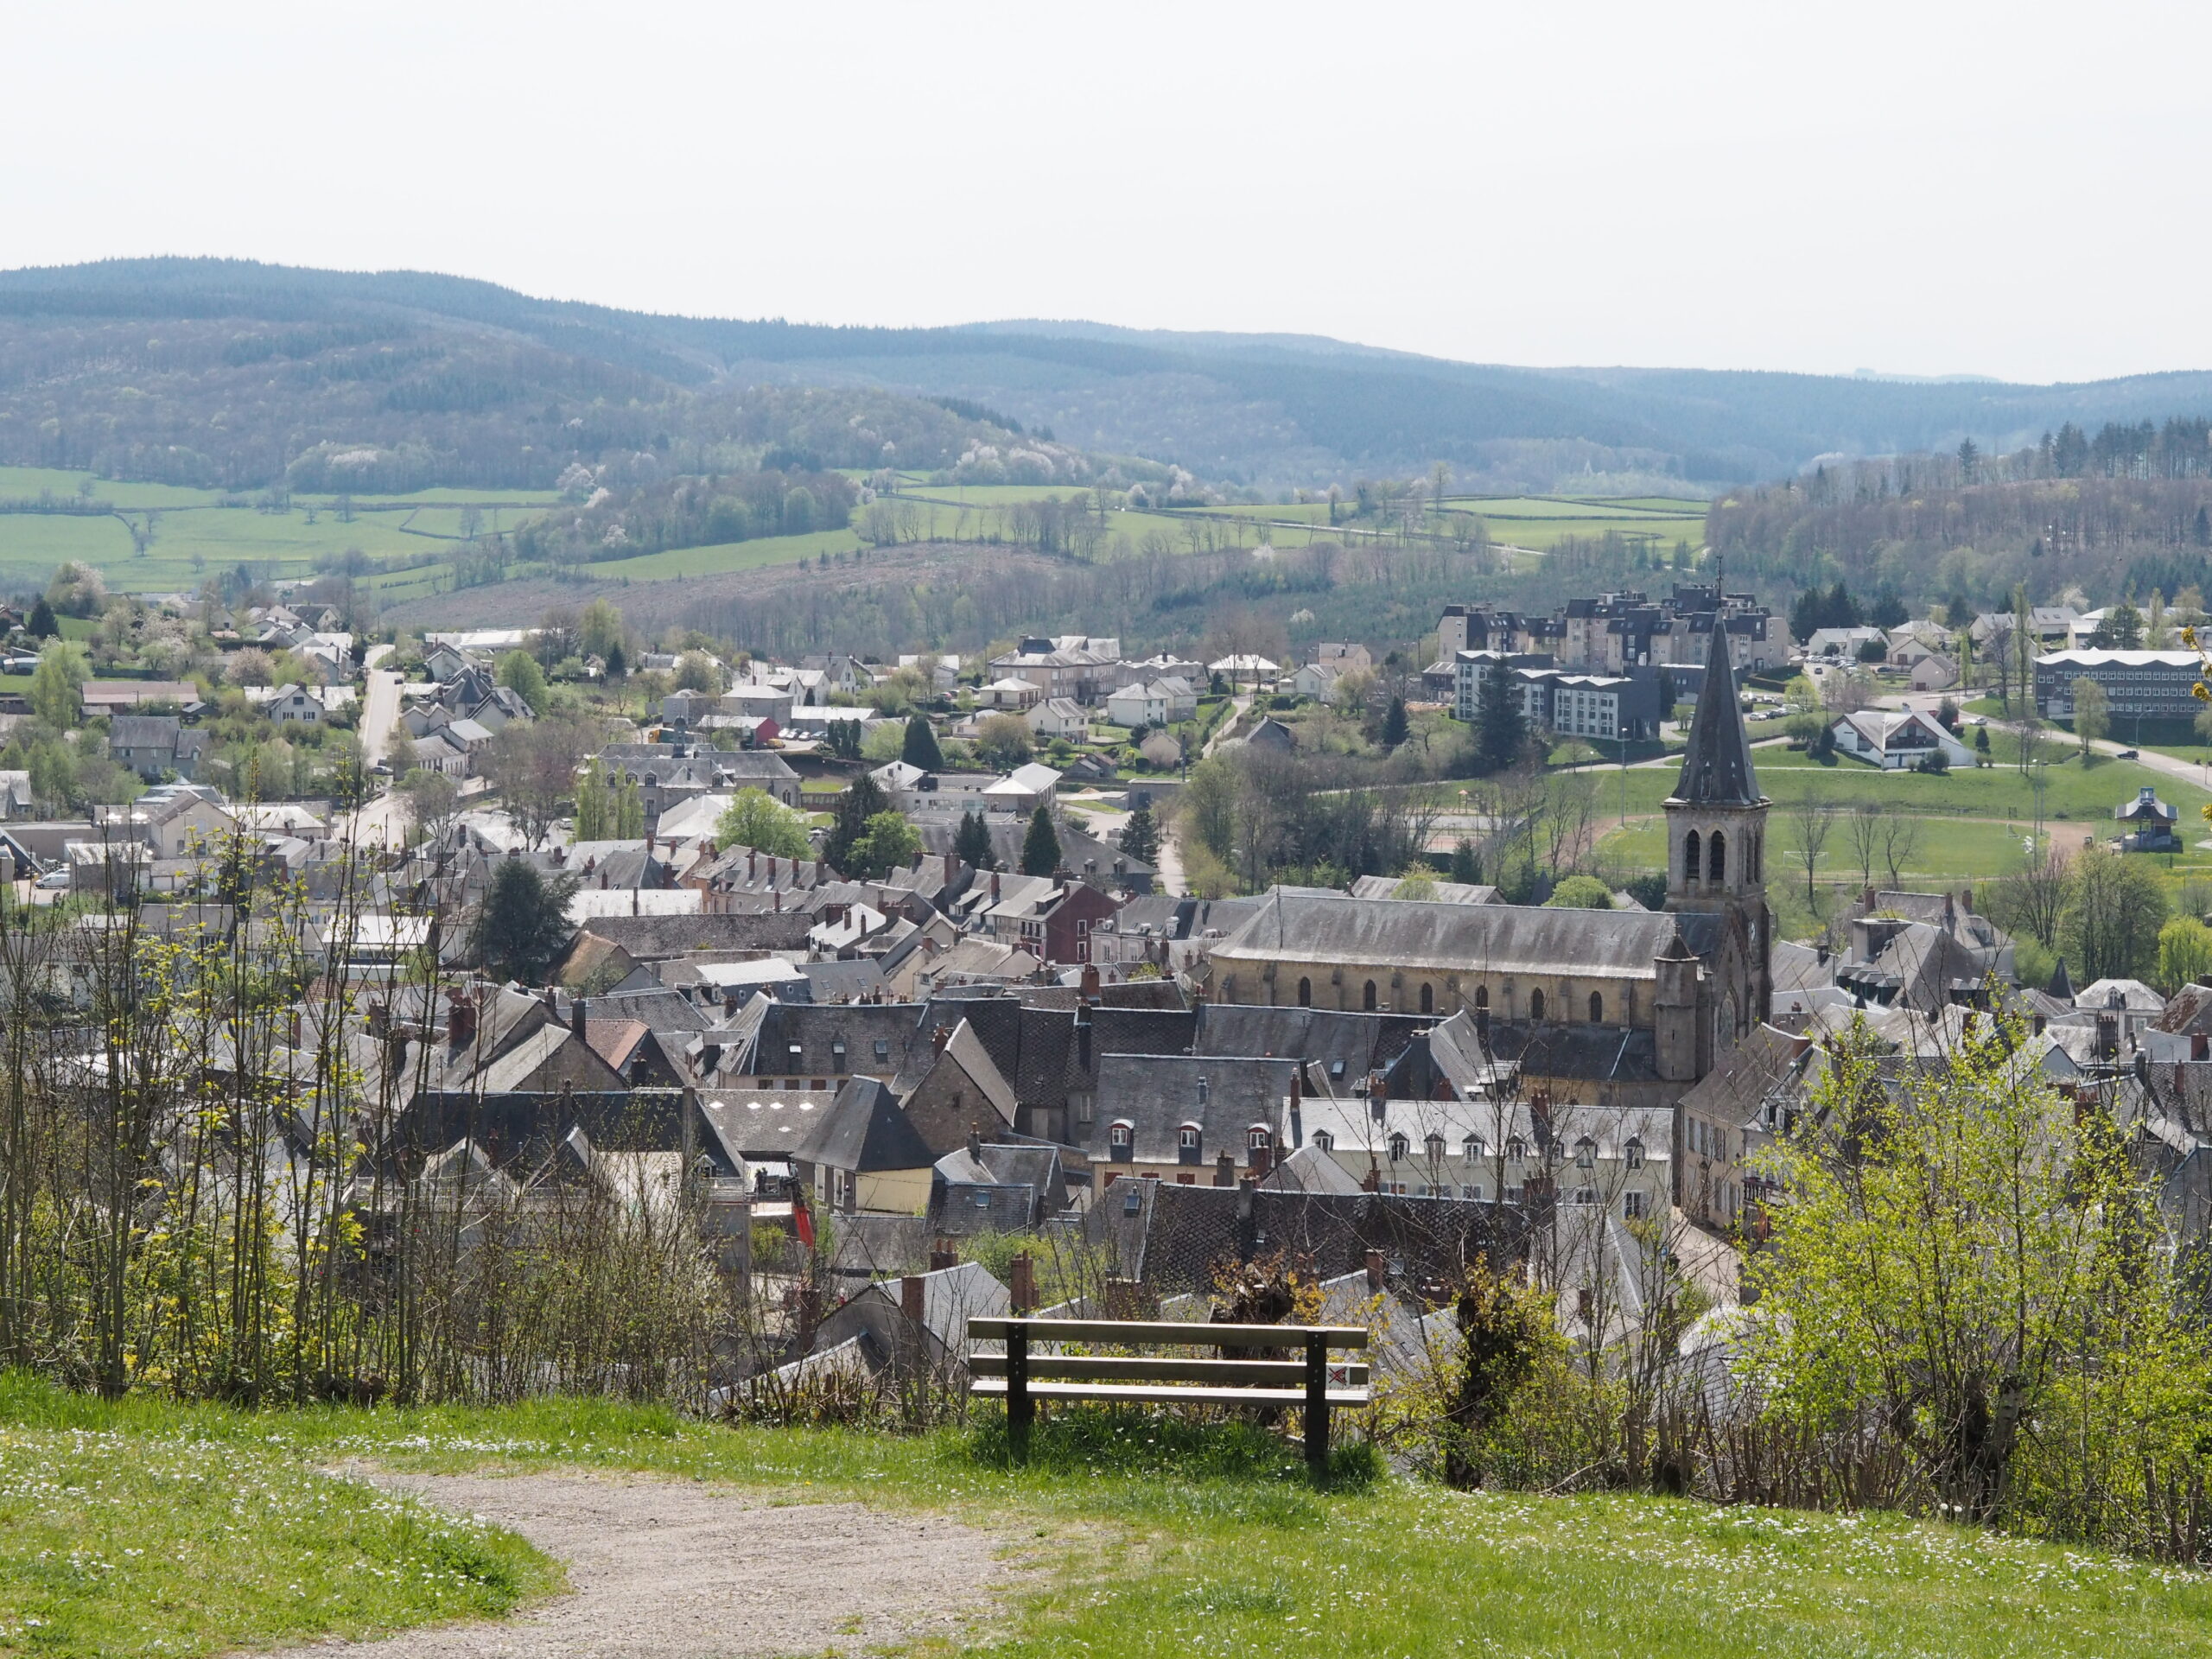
x: 1272, y: 409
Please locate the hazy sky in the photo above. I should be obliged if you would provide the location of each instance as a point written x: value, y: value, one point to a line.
x: 1923, y: 189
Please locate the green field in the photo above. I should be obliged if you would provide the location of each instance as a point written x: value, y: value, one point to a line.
x: 193, y: 534
x: 142, y: 1529
x: 1973, y: 821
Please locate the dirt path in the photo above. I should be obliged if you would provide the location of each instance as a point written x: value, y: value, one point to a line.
x: 689, y: 1571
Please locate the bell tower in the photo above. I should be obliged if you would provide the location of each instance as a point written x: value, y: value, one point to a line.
x: 1716, y: 842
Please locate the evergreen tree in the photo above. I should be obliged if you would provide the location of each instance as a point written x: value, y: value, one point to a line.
x: 1396, y: 728
x: 1501, y: 731
x: 971, y: 843
x: 618, y: 666
x: 1141, y: 835
x: 523, y: 927
x: 43, y: 627
x: 845, y: 739
x: 1466, y: 867
x: 920, y: 749
x: 859, y: 803
x: 1040, y: 847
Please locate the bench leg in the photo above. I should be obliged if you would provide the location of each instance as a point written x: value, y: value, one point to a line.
x: 1019, y: 1407
x: 1317, y: 1403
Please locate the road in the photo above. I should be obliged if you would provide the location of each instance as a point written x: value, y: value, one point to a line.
x: 379, y: 713
x: 1238, y: 706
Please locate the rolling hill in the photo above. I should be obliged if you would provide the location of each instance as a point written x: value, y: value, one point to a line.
x: 226, y: 373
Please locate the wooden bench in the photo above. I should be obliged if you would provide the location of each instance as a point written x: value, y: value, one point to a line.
x: 1022, y: 1376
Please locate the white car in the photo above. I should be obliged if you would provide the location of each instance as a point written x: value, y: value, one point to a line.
x: 52, y: 879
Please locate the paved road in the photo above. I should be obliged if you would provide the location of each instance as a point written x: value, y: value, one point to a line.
x: 379, y: 713
x: 1238, y: 707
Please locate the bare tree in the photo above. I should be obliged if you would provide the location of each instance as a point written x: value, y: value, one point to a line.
x: 2031, y: 899
x: 1812, y: 816
x: 1865, y: 828
x: 1900, y: 837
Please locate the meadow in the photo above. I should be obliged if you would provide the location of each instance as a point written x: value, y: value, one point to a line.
x: 142, y: 1529
x: 416, y: 536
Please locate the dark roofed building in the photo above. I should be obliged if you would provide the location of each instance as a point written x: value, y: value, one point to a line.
x: 1187, y: 1118
x: 863, y: 1154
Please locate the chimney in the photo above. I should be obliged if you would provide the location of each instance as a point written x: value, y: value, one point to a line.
x: 379, y: 1020
x: 460, y: 1020
x: 752, y: 861
x: 1024, y: 1288
x: 1262, y: 1159
x: 994, y: 886
x: 819, y: 868
x: 910, y: 1298
x: 943, y: 1255
x: 1966, y: 899
x: 552, y: 1004
x: 1376, y: 1273
x: 1867, y: 897
x: 634, y: 901
x: 603, y: 881
x: 938, y: 1038
x: 1090, y: 986
x: 576, y: 1017
x: 952, y: 868
x: 975, y: 1142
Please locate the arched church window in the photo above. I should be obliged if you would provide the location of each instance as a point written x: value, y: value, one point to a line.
x: 1690, y: 856
x: 1716, y: 858
x: 1366, y: 997
x: 1536, y: 1005
x: 1304, y: 992
x: 1596, y: 1009
x: 1427, y: 998
x: 1482, y: 996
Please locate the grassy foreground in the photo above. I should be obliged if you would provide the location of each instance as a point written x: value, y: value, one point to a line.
x: 148, y: 1529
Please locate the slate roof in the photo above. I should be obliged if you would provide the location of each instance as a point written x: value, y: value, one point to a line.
x: 1341, y: 1048
x: 788, y: 1039
x: 1181, y: 1233
x: 1308, y: 925
x: 864, y: 1129
x: 1157, y: 1095
x: 1717, y: 768
x: 655, y: 938
x: 1733, y: 1091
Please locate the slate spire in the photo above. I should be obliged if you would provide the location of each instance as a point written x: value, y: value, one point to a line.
x: 1717, y: 766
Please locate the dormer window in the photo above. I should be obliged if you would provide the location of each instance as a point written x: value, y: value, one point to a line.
x: 1472, y: 1148
x: 1186, y: 1138
x: 1632, y: 1154
x: 1399, y: 1146
x: 1517, y: 1149
x: 1435, y: 1147
x: 1324, y: 1141
x: 1586, y: 1152
x: 1258, y: 1138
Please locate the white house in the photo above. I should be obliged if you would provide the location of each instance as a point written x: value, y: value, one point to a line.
x: 1011, y: 692
x: 1245, y: 668
x: 1844, y: 643
x: 1892, y: 741
x: 1061, y: 717
x: 1316, y: 679
x: 1023, y: 789
x: 1153, y: 703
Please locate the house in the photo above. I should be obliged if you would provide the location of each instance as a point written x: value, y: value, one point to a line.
x: 1010, y: 692
x: 1316, y: 680
x: 1893, y: 740
x: 151, y: 744
x: 1245, y: 668
x: 1188, y: 1119
x: 2150, y: 823
x: 1023, y: 790
x: 864, y: 1154
x: 121, y: 696
x: 2148, y: 684
x: 1153, y: 703
x: 288, y: 705
x: 1935, y: 673
x: 1061, y: 717
x: 1343, y: 655
x: 1049, y: 916
x: 986, y: 1186
x: 1273, y: 735
x: 913, y: 1326
x: 1844, y: 645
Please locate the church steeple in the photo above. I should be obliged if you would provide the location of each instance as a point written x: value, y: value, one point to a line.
x: 1717, y: 766
x: 1716, y: 846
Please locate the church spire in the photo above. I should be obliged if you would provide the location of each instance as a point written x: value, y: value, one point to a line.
x: 1717, y: 766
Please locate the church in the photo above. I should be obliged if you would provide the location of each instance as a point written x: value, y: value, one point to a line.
x: 1597, y: 1007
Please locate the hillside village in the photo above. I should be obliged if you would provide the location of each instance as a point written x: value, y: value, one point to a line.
x: 900, y: 954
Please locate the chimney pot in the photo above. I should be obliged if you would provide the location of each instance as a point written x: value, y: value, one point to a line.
x: 910, y: 1297
x: 975, y: 1142
x: 1376, y: 1272
x: 577, y: 1018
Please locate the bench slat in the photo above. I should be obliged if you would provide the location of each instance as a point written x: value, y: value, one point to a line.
x: 1166, y: 1394
x: 1183, y: 1333
x: 1288, y: 1373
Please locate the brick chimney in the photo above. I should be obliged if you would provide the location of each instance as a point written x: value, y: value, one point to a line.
x: 975, y: 1141
x: 1090, y: 985
x: 952, y: 868
x: 910, y: 1298
x: 577, y: 1018
x: 1024, y: 1288
x: 994, y: 886
x: 1377, y: 1275
x: 460, y: 1020
x: 943, y: 1255
x: 1262, y: 1159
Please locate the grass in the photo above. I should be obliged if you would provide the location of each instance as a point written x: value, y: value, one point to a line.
x: 1154, y: 1538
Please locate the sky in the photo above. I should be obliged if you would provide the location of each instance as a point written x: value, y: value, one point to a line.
x: 1917, y: 189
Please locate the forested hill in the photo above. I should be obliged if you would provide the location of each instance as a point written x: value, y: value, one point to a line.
x: 495, y: 384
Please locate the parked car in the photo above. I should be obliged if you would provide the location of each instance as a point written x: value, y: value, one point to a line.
x: 52, y: 879
x: 2131, y: 754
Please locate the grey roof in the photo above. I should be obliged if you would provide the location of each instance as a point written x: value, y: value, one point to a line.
x: 1717, y: 766
x: 1156, y: 1095
x: 787, y: 1039
x: 655, y: 938
x: 1306, y: 926
x: 865, y: 1128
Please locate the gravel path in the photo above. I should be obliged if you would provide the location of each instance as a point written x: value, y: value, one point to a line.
x: 690, y: 1571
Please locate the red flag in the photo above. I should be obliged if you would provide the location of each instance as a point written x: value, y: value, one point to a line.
x: 802, y: 1218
